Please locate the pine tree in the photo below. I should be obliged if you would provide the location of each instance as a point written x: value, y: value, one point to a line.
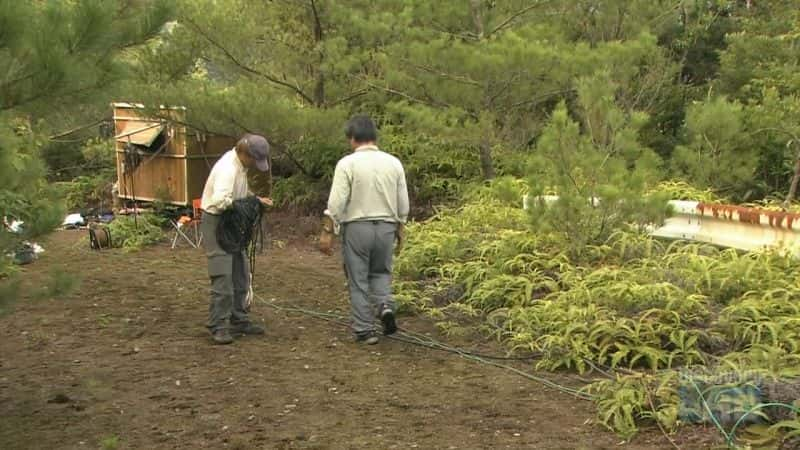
x: 485, y: 75
x: 291, y: 70
x: 597, y: 168
x: 716, y: 154
x: 56, y: 57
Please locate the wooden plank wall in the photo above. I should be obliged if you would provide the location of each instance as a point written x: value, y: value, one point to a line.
x: 159, y: 178
x: 180, y: 171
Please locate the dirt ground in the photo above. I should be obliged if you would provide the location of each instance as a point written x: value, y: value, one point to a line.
x: 124, y: 360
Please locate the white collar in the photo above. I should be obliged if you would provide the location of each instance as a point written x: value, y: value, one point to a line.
x: 237, y: 161
x: 366, y: 147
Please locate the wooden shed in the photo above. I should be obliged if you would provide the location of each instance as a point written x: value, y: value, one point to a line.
x: 161, y: 159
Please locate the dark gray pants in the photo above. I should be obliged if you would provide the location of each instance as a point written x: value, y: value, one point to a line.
x: 230, y: 279
x: 368, y: 250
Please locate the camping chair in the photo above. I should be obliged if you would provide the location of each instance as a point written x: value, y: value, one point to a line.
x: 185, y: 222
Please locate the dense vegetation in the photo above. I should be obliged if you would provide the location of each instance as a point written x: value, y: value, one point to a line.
x: 646, y: 317
x: 599, y: 99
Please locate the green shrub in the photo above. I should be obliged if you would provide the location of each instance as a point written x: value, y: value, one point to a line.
x: 133, y: 233
x: 301, y: 193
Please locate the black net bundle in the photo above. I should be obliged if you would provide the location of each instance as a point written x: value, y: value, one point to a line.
x: 240, y: 226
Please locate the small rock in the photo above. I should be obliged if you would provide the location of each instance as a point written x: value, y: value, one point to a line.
x: 177, y: 382
x: 60, y: 399
x: 225, y: 428
x: 306, y: 367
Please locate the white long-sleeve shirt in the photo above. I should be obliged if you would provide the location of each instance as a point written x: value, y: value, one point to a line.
x: 226, y: 182
x: 369, y: 184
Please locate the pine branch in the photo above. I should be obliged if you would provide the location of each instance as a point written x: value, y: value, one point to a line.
x: 398, y: 93
x: 445, y: 75
x: 246, y: 68
x: 42, y: 93
x: 514, y: 16
x: 75, y: 130
x: 349, y: 97
x: 537, y: 99
x: 293, y: 159
x: 10, y: 83
x: 467, y: 35
x: 278, y: 148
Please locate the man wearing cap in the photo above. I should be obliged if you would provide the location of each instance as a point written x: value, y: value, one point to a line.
x: 229, y: 273
x: 369, y: 199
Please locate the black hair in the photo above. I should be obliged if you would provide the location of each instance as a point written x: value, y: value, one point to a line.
x: 361, y: 128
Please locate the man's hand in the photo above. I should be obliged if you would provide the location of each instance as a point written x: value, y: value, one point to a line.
x: 265, y: 201
x: 326, y: 237
x: 401, y: 236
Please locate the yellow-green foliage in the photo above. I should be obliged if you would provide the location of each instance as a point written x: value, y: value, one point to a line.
x: 633, y: 304
x: 681, y: 190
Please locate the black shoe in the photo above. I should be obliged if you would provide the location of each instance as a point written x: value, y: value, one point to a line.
x: 389, y: 324
x: 222, y: 337
x: 247, y: 328
x: 368, y: 338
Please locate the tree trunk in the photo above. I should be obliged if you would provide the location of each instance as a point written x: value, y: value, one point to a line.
x: 319, y: 88
x: 487, y: 165
x: 795, y: 180
x: 477, y: 17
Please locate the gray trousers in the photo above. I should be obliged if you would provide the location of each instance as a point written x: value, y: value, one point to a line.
x: 230, y: 279
x: 368, y: 250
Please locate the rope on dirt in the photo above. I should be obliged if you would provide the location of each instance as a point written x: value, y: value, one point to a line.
x: 413, y: 338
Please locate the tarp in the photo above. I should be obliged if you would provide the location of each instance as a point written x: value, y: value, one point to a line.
x: 140, y: 133
x: 74, y: 220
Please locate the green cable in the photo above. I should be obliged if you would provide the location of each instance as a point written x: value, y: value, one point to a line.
x: 431, y: 343
x: 708, y: 410
x: 732, y: 435
x: 419, y: 339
